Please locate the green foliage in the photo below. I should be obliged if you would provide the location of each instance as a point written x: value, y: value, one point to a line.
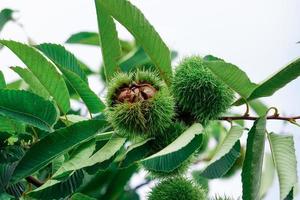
x: 177, y: 188
x: 87, y: 38
x: 199, y: 92
x: 48, y: 75
x: 18, y: 105
x: 252, y: 167
x: 2, y: 81
x: 277, y: 81
x: 226, y: 154
x: 144, y: 33
x: 234, y: 77
x: 32, y: 81
x: 83, y: 158
x: 267, y: 175
x: 70, y: 67
x: 79, y: 196
x: 283, y: 152
x: 110, y: 45
x: 171, y: 134
x: 5, y: 16
x: 172, y: 156
x: 60, y: 142
x: 157, y: 115
x: 144, y: 117
x: 11, y: 126
x: 136, y: 152
x: 54, y: 189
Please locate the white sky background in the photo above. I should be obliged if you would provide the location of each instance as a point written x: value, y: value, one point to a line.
x: 259, y: 36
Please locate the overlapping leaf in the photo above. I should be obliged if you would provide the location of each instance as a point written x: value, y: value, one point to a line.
x: 44, y: 71
x: 252, y: 167
x: 234, y: 77
x: 56, y: 144
x: 81, y: 153
x: 110, y: 44
x: 28, y: 108
x: 226, y: 154
x: 136, y: 23
x: 277, y: 81
x: 32, y: 81
x: 54, y: 189
x: 62, y: 58
x: 81, y: 160
x: 137, y: 57
x: 69, y: 66
x: 283, y: 152
x: 177, y: 152
x: 15, y: 85
x: 136, y: 152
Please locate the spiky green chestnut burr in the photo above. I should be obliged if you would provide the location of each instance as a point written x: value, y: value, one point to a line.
x: 139, y: 104
x: 177, y: 188
x: 198, y: 92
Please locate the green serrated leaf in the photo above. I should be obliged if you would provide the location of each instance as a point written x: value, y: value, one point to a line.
x: 69, y: 66
x: 28, y: 108
x: 56, y: 144
x: 277, y: 81
x: 62, y: 58
x: 234, y: 77
x: 226, y: 154
x: 103, y: 154
x: 252, y: 167
x: 6, y: 171
x: 110, y: 44
x: 81, y: 153
x: 43, y: 70
x: 177, y: 152
x: 136, y: 23
x: 32, y: 81
x: 283, y: 152
x: 54, y: 189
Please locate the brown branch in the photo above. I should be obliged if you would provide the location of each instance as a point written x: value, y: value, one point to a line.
x: 34, y: 181
x: 273, y: 117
